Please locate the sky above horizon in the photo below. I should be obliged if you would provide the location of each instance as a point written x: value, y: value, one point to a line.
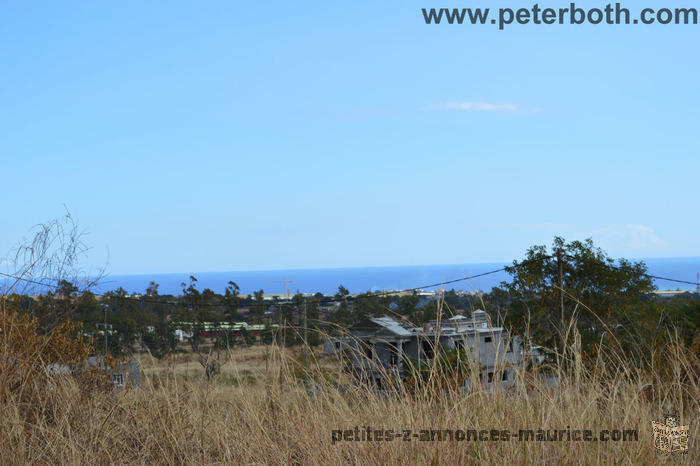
x: 214, y: 136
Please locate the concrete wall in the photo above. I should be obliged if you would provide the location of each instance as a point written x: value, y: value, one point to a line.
x: 334, y: 345
x: 489, y: 350
x: 375, y: 356
x: 374, y: 353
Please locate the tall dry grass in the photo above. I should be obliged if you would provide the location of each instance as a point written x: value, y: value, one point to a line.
x: 257, y: 411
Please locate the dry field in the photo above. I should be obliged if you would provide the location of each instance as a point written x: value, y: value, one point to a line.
x: 258, y: 412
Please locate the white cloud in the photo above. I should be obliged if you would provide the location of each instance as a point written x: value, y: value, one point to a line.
x: 478, y: 107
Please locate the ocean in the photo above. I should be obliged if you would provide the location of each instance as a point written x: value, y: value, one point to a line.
x: 361, y: 279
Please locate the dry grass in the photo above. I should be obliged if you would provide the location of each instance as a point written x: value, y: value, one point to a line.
x: 258, y: 412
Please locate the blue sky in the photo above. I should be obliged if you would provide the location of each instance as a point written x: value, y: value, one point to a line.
x: 213, y: 136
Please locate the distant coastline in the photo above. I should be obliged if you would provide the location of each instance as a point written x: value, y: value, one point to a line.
x: 362, y: 279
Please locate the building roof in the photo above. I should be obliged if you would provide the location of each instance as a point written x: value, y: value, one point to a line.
x: 391, y: 325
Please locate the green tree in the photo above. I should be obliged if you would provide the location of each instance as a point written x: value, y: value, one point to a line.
x: 56, y: 306
x: 88, y: 311
x: 161, y: 341
x: 342, y: 314
x: 192, y: 299
x: 259, y: 307
x: 370, y: 305
x: 597, y: 292
x: 126, y: 321
x: 312, y: 319
x: 407, y: 306
x: 232, y: 302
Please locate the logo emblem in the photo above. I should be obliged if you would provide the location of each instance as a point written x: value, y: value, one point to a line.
x: 669, y: 437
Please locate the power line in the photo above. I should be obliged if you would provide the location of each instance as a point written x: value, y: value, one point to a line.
x: 336, y: 298
x: 28, y: 280
x: 418, y: 288
x: 325, y: 299
x: 655, y: 277
x: 671, y: 280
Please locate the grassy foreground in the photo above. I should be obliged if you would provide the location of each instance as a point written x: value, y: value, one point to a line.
x: 258, y: 412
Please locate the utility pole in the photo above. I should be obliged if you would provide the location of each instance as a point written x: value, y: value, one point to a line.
x: 561, y: 284
x: 561, y: 296
x: 279, y: 326
x: 306, y: 347
x: 104, y: 330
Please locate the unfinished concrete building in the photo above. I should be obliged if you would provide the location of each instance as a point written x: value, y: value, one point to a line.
x: 375, y: 350
x: 378, y: 348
